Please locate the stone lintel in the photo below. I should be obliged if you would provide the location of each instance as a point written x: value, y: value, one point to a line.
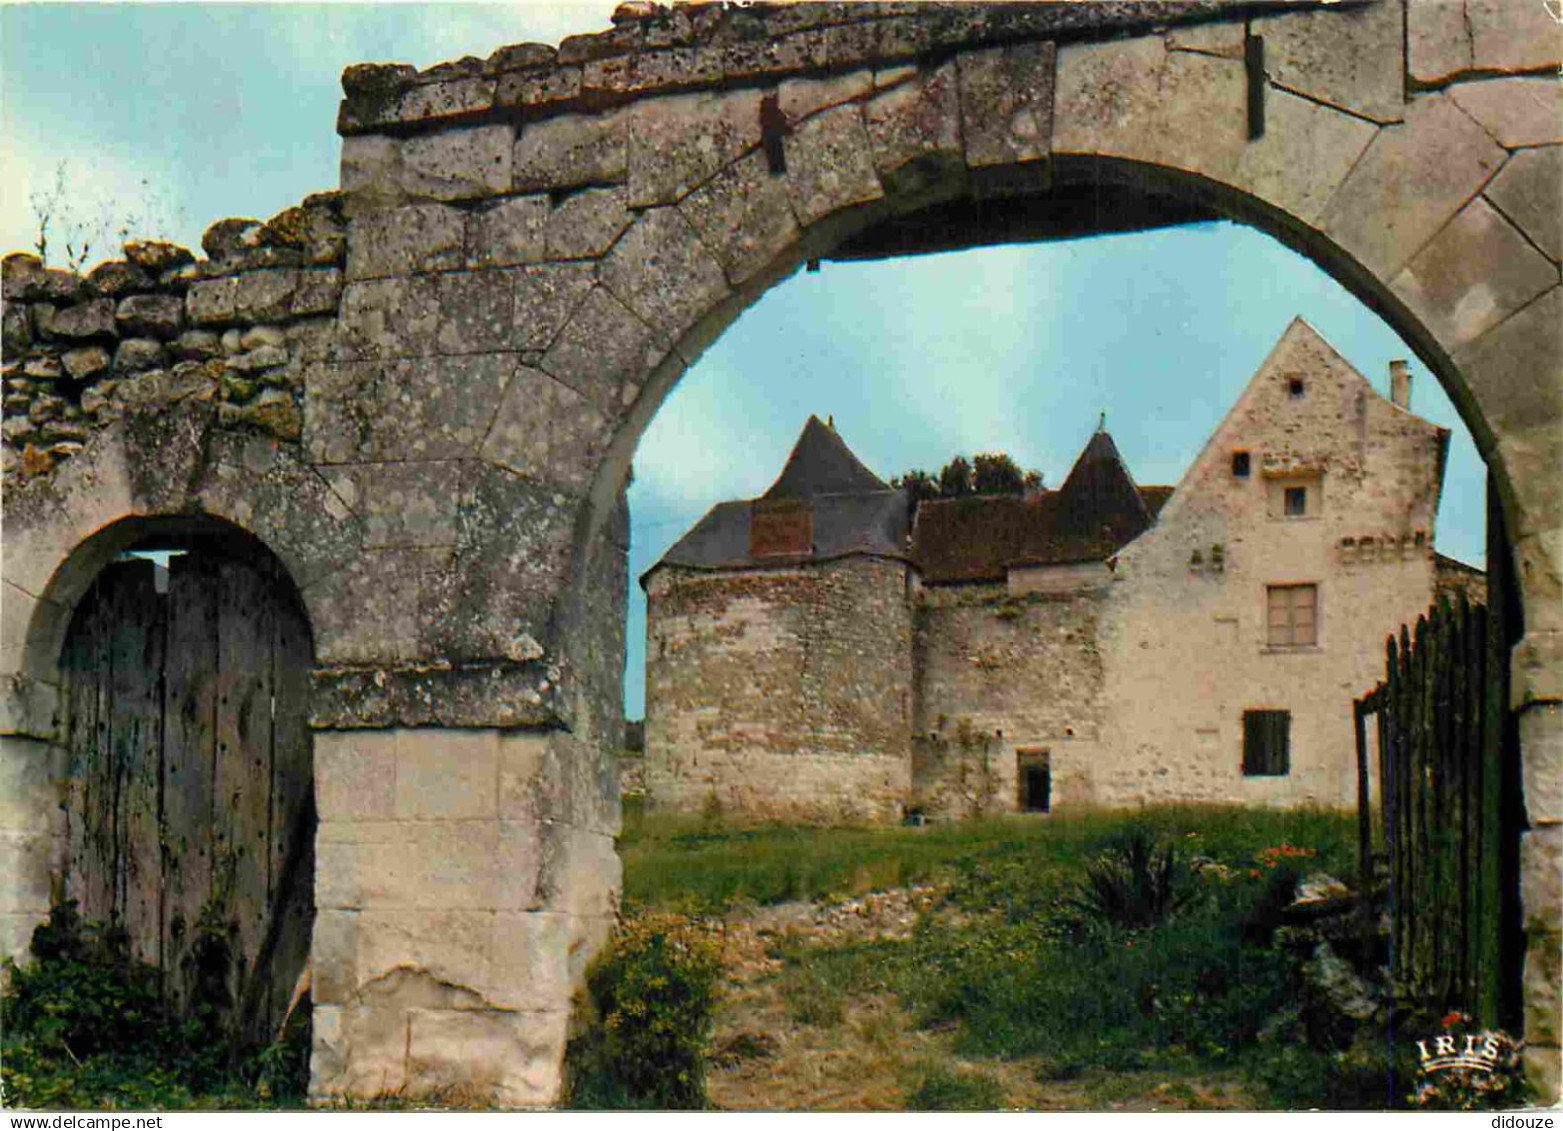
x: 503, y: 695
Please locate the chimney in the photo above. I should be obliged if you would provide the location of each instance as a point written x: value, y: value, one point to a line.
x: 1400, y: 385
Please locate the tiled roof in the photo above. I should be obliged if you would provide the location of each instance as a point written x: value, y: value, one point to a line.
x: 1097, y: 511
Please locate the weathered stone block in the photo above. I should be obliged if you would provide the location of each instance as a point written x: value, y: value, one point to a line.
x: 665, y: 275
x: 85, y: 363
x: 514, y: 540
x: 546, y: 295
x: 1343, y: 57
x: 31, y: 781
x: 371, y: 163
x: 436, y: 410
x: 1541, y: 875
x: 159, y: 316
x: 742, y: 215
x: 1515, y: 111
x: 798, y: 98
x: 447, y: 774
x: 830, y: 164
x: 537, y: 88
x: 93, y: 318
x: 914, y: 130
x: 211, y: 302
x: 1136, y: 99
x: 584, y: 224
x: 1438, y: 40
x: 547, y: 431
x: 355, y: 774
x: 264, y: 296
x: 358, y: 1051
x: 316, y: 291
x: 1476, y: 272
x: 401, y: 241
x: 1527, y: 190
x: 15, y: 334
x: 1408, y: 184
x: 197, y: 345
x: 447, y: 947
x: 386, y: 318
x: 604, y: 352
x: 1513, y: 37
x: 1536, y: 669
x: 1515, y: 370
x: 1305, y: 153
x: 581, y: 874
x: 117, y: 277
x: 1006, y: 103
x: 679, y: 142
x: 333, y: 954
x: 458, y: 164
x: 477, y: 311
x: 1541, y: 738
x: 529, y: 965
x: 16, y: 932
x: 507, y: 232
x: 372, y: 610
x: 135, y: 354
x: 24, y: 883
x: 402, y: 504
x: 569, y: 151
x: 504, y: 1058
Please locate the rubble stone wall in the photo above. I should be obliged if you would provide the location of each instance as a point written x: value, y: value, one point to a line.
x: 995, y: 672
x: 780, y: 693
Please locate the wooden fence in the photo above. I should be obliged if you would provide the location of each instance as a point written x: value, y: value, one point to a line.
x: 1449, y: 809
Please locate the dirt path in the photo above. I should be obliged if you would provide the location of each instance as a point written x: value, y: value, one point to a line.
x: 774, y: 1052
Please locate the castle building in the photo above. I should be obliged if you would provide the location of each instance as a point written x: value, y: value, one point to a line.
x: 817, y: 653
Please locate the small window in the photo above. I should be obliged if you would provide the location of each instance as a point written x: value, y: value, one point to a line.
x: 1296, y: 502
x: 1267, y: 743
x: 1295, y: 388
x: 1240, y: 465
x: 1292, y: 616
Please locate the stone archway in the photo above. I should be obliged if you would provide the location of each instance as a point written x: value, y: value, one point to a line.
x: 538, y: 245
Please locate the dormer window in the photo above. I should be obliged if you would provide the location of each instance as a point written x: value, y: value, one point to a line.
x: 1240, y: 465
x: 1295, y: 388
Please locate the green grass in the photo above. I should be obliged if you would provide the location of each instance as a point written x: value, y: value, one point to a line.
x: 701, y: 865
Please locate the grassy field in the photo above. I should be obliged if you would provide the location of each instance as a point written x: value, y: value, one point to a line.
x: 1007, y: 983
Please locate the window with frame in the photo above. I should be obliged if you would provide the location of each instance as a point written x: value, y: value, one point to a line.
x: 1292, y: 616
x: 1240, y: 464
x: 1296, y: 502
x: 1267, y: 743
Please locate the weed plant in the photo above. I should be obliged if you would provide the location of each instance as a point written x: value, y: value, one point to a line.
x: 85, y: 1027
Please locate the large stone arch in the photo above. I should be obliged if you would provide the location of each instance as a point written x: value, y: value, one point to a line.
x: 539, y: 244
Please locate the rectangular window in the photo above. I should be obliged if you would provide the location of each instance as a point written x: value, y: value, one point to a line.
x: 1240, y: 465
x: 1296, y: 501
x: 1292, y: 616
x: 1267, y: 743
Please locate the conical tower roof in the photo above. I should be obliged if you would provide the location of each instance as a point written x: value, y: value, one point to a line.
x: 822, y: 464
x: 1100, y: 493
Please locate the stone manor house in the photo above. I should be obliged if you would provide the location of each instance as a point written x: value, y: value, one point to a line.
x: 819, y: 652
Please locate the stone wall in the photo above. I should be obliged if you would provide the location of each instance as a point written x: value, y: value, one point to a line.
x: 781, y: 692
x: 1185, y: 644
x: 160, y: 326
x: 540, y: 242
x: 995, y: 670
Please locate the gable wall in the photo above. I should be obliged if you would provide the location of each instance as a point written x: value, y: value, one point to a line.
x: 1197, y: 634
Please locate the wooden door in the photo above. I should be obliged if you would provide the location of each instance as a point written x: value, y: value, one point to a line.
x: 192, y: 801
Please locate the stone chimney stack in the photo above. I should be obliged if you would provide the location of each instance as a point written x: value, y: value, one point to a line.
x: 1400, y: 385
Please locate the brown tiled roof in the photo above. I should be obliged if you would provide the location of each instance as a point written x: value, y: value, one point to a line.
x: 824, y: 497
x: 1094, y: 514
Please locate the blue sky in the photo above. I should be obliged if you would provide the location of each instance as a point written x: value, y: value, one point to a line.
x: 176, y: 116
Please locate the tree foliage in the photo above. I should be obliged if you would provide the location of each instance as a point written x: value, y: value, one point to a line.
x: 986, y: 473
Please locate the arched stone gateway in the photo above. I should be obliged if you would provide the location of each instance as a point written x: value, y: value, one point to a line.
x: 536, y: 247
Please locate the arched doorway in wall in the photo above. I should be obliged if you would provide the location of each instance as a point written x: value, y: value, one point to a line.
x: 191, y: 812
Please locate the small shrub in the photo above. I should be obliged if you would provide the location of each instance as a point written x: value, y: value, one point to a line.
x: 940, y: 1089
x: 1135, y: 884
x: 653, y: 994
x: 84, y: 1026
